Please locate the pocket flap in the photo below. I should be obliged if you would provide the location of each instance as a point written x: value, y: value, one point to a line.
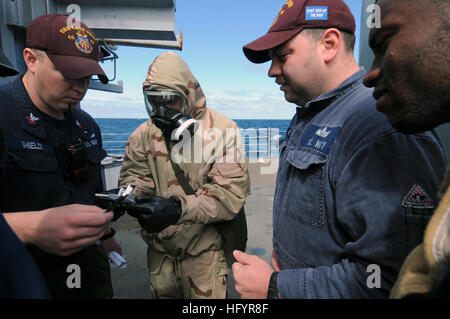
x: 304, y: 158
x: 37, y: 162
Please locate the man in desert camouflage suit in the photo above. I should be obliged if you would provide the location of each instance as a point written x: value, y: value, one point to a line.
x: 186, y: 259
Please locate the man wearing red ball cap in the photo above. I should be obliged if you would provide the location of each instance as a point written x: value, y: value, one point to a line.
x: 54, y: 150
x: 353, y: 195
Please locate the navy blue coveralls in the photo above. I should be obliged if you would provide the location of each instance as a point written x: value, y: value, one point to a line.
x: 36, y: 179
x: 353, y: 196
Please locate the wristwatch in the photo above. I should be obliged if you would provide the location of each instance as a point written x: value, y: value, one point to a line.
x: 272, y: 292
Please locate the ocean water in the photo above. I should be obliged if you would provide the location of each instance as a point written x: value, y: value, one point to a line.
x: 260, y: 137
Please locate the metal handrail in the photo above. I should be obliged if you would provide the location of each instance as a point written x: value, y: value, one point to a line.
x: 114, y: 141
x: 111, y: 134
x: 249, y: 148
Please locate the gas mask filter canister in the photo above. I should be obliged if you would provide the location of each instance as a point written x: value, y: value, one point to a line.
x: 166, y: 109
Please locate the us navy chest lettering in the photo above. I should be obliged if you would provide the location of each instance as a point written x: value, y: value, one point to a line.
x: 319, y: 138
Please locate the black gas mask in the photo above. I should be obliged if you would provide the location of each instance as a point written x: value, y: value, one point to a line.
x: 166, y: 109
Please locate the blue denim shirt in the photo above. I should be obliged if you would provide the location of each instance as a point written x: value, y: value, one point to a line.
x: 351, y: 192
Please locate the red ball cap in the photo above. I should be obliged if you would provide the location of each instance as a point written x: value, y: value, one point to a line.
x: 73, y: 49
x: 296, y: 15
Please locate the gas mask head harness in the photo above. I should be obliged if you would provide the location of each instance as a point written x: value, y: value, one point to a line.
x: 166, y: 109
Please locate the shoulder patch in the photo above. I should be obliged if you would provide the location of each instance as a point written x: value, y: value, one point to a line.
x: 417, y: 197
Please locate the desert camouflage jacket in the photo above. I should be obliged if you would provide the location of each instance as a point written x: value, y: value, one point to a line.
x: 213, y: 162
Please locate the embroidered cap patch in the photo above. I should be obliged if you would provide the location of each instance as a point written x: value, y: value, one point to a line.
x: 316, y: 13
x: 82, y: 42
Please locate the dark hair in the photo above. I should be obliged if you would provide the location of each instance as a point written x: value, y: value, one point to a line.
x: 317, y: 33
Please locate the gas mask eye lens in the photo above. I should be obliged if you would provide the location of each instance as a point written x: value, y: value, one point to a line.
x: 166, y: 109
x: 173, y: 102
x: 162, y: 101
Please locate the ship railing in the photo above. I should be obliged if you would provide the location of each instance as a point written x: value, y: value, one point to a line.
x: 258, y: 143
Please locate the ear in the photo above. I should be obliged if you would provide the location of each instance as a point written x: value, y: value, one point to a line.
x: 31, y: 59
x: 331, y: 44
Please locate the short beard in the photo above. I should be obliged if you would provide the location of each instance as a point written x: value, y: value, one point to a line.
x: 420, y: 115
x: 430, y: 107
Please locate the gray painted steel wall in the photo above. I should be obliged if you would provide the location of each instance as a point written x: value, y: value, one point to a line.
x: 139, y: 19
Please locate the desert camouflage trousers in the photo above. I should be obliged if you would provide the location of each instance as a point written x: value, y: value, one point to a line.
x: 200, y: 277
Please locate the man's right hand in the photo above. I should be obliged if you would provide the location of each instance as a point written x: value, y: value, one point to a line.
x: 61, y: 230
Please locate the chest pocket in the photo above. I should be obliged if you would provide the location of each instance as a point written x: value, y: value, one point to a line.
x: 306, y: 191
x: 36, y: 163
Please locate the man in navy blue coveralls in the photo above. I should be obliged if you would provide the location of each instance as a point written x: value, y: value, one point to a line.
x: 353, y: 195
x: 46, y: 195
x: 19, y: 274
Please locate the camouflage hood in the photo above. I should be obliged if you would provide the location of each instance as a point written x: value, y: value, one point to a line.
x: 169, y: 71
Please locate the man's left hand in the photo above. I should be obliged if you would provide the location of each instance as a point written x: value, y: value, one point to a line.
x: 251, y: 275
x: 155, y: 213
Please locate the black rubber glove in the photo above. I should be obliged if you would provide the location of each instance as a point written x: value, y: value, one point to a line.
x: 107, y: 199
x: 156, y: 213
